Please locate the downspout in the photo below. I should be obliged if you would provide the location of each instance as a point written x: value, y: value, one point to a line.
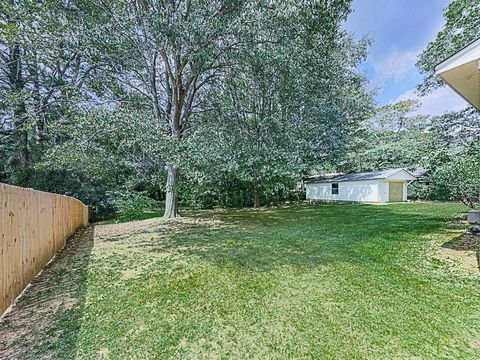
x: 409, y: 184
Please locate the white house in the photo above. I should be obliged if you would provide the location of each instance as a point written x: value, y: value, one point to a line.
x: 371, y: 187
x: 461, y: 72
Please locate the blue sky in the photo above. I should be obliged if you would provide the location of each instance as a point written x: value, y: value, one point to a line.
x: 400, y: 30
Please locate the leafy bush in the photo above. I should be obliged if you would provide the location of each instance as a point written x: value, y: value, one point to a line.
x: 226, y: 191
x: 459, y: 179
x: 131, y: 205
x: 419, y: 191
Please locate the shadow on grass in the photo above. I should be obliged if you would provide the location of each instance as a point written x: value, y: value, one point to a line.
x: 45, y: 321
x: 306, y: 236
x: 465, y: 242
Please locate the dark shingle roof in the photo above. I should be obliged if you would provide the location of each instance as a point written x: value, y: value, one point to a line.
x: 374, y: 175
x: 420, y: 172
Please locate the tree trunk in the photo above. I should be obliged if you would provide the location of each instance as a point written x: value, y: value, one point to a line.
x: 171, y: 199
x: 39, y: 125
x: 256, y: 202
x: 20, y: 159
x: 21, y: 145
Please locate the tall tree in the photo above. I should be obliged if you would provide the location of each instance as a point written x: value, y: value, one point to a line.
x: 393, y: 136
x: 13, y: 84
x: 461, y: 27
x: 289, y: 104
x: 171, y: 53
x: 43, y: 67
x: 457, y: 134
x: 257, y: 90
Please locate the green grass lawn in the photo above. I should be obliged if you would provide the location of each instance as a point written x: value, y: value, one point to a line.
x: 319, y: 281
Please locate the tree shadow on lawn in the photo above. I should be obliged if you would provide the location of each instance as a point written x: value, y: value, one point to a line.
x: 45, y: 321
x: 305, y: 236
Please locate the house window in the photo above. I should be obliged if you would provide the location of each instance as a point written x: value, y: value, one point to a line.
x: 334, y: 188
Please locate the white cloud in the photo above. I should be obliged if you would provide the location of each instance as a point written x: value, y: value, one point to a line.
x: 438, y: 102
x: 395, y: 66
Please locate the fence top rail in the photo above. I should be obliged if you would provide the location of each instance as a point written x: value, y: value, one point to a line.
x: 22, y: 189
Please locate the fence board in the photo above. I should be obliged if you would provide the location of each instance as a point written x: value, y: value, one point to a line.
x: 34, y: 226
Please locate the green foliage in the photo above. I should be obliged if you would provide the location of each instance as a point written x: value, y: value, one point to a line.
x: 461, y: 27
x: 447, y: 145
x: 459, y: 179
x: 91, y: 191
x: 239, y: 95
x: 130, y: 205
x: 244, y: 97
x: 448, y: 151
x: 392, y: 137
x: 224, y: 190
x: 101, y: 151
x: 423, y: 191
x: 287, y: 106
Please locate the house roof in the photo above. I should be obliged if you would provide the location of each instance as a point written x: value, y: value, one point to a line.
x: 374, y: 175
x: 419, y: 172
x: 461, y: 72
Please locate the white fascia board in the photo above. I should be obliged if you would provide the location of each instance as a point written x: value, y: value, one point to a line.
x: 469, y: 53
x: 406, y: 176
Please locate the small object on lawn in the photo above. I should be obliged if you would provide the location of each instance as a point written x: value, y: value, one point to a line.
x: 473, y: 218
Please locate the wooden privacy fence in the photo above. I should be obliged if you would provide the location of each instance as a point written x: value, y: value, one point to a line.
x: 34, y: 225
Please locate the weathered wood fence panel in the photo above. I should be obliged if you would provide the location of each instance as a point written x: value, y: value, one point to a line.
x: 34, y: 226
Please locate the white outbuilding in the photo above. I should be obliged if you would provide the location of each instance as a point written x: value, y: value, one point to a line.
x: 371, y: 187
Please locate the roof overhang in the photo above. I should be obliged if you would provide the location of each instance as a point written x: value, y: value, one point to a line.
x: 388, y: 175
x: 461, y: 72
x: 401, y: 175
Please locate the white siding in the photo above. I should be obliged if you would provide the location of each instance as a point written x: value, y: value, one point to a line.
x: 383, y: 191
x: 367, y: 191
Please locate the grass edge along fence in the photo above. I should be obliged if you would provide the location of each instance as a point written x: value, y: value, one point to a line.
x: 34, y: 226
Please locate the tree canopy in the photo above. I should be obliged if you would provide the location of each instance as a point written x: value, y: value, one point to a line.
x: 461, y: 27
x: 184, y: 98
x: 132, y: 103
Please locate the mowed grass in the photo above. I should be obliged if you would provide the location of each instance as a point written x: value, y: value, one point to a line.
x: 303, y: 282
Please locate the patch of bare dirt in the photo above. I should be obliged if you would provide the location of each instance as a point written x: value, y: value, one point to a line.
x: 138, y: 236
x: 152, y: 239
x: 155, y: 225
x: 463, y: 250
x: 52, y: 307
